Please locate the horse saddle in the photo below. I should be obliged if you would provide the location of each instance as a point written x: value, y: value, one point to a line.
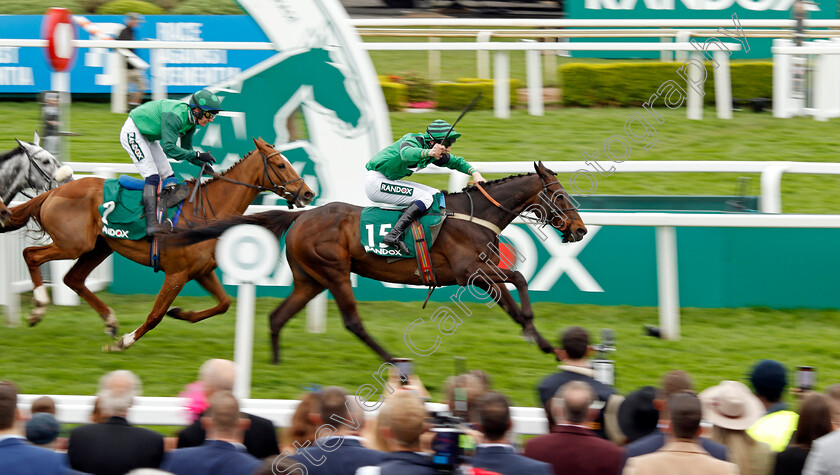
x: 122, y: 208
x: 375, y: 222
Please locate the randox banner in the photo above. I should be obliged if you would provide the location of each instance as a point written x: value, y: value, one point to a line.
x: 613, y: 265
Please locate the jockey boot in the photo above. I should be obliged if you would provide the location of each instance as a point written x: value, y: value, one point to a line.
x: 173, y: 194
x: 409, y: 215
x: 150, y: 210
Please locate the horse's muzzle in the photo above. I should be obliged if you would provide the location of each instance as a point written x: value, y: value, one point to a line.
x: 63, y: 174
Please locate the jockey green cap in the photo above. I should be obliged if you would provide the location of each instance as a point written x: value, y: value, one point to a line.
x: 206, y: 101
x: 438, y: 129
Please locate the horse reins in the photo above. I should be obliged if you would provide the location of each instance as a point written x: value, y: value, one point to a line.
x: 493, y: 227
x: 32, y: 162
x: 267, y: 173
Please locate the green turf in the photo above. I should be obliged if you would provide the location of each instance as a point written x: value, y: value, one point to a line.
x: 62, y: 355
x: 563, y: 134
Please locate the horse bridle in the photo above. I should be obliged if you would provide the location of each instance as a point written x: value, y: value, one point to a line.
x: 50, y: 180
x: 553, y: 213
x: 278, y: 188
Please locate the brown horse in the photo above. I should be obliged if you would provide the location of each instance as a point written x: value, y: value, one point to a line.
x: 5, y: 216
x: 69, y: 214
x: 324, y: 247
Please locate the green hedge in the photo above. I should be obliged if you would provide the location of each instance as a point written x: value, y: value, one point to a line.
x: 121, y: 7
x: 203, y: 7
x: 37, y: 7
x: 632, y: 84
x: 456, y: 95
x: 396, y: 94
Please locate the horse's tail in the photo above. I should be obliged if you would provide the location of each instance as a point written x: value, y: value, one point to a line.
x: 277, y: 221
x: 21, y: 214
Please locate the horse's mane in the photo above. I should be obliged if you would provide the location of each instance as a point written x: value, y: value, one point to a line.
x: 211, y: 180
x: 11, y: 153
x: 491, y: 182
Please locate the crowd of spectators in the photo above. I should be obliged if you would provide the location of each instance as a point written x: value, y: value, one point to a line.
x: 730, y: 428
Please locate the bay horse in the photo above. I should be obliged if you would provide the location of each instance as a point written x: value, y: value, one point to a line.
x: 29, y: 166
x: 323, y: 248
x: 69, y: 214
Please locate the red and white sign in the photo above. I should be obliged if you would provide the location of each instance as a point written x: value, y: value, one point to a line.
x: 60, y: 32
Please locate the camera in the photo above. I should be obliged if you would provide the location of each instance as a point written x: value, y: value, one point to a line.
x: 406, y: 368
x: 448, y: 443
x: 806, y: 378
x: 604, y: 367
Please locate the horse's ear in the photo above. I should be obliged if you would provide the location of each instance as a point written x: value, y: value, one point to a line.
x: 36, y: 140
x: 537, y: 166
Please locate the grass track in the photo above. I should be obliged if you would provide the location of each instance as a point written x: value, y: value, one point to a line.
x: 62, y: 355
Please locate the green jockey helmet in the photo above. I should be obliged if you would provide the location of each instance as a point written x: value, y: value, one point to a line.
x: 206, y: 101
x: 438, y: 129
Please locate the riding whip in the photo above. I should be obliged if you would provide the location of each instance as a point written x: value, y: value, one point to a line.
x: 463, y: 113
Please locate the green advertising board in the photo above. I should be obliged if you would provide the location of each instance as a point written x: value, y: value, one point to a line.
x: 718, y: 267
x: 722, y: 10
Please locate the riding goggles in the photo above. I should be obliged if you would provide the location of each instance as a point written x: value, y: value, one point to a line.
x: 208, y: 114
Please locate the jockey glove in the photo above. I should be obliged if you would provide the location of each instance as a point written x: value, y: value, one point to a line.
x: 206, y: 157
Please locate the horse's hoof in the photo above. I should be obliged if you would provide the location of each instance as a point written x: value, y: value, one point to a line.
x: 33, y: 320
x: 175, y: 312
x: 112, y: 331
x: 114, y: 346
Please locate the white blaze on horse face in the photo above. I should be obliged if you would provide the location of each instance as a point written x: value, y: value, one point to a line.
x: 40, y: 296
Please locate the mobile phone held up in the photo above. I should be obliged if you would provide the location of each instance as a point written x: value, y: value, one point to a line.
x: 806, y: 377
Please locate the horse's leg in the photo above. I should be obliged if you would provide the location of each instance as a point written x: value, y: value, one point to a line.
x: 305, y: 289
x: 343, y: 294
x: 75, y: 279
x: 497, y: 290
x: 34, y: 257
x: 172, y: 285
x: 211, y: 283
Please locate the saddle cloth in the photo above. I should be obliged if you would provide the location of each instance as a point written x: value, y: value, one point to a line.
x: 122, y: 209
x: 376, y: 222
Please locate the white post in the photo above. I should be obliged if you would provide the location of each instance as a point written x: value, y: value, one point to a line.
x: 60, y: 82
x: 61, y: 294
x: 832, y: 100
x: 119, y: 95
x: 770, y: 200
x: 6, y: 250
x: 501, y: 85
x: 534, y: 81
x: 316, y: 314
x: 683, y: 36
x: 434, y: 61
x: 244, y: 339
x: 782, y: 81
x: 482, y: 57
x: 666, y: 271
x: 822, y: 84
x: 664, y: 55
x: 723, y: 85
x: 156, y: 74
x: 695, y: 90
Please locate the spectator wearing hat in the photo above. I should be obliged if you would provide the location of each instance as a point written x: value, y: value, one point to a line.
x: 42, y: 430
x: 673, y: 382
x: 134, y: 76
x: 638, y: 416
x: 731, y: 409
x: 682, y: 454
x: 16, y: 456
x: 576, y: 367
x: 814, y: 422
x: 769, y: 379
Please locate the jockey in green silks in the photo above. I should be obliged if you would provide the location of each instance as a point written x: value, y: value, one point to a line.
x: 150, y: 136
x: 386, y: 170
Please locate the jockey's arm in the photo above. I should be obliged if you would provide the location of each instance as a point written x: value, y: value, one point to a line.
x: 458, y: 163
x: 412, y: 153
x: 169, y: 127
